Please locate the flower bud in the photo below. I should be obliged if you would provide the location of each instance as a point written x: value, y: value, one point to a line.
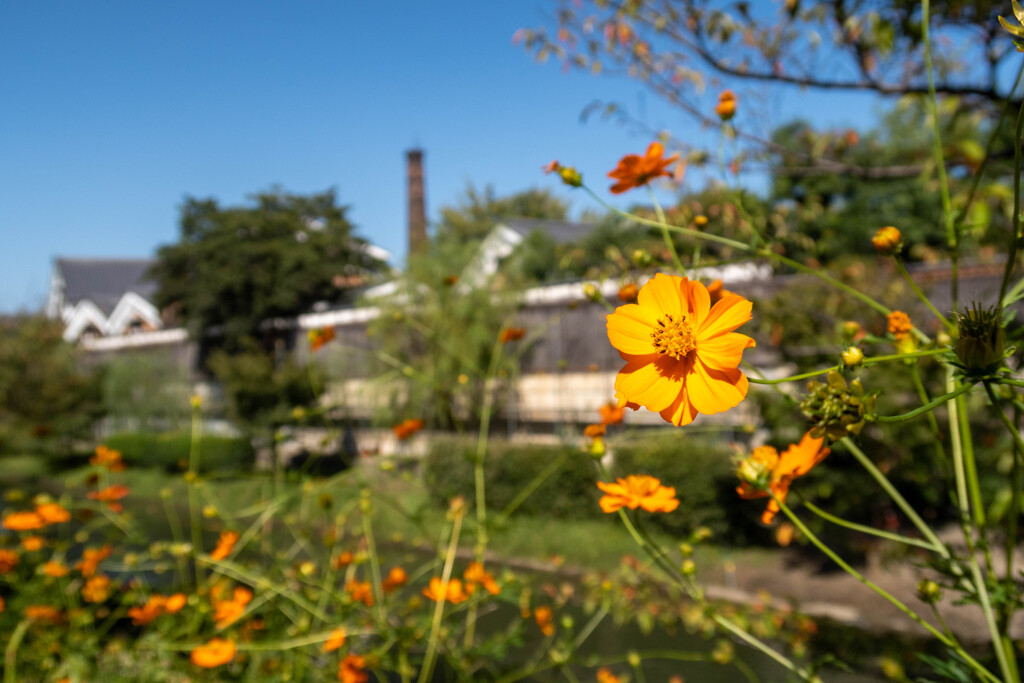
x: 982, y: 340
x: 756, y: 470
x: 570, y: 176
x: 928, y: 591
x: 700, y: 221
x: 633, y: 657
x: 837, y: 409
x: 852, y: 357
x: 628, y: 293
x: 851, y: 328
x: 888, y: 241
x: 591, y: 291
x: 642, y: 257
x: 726, y: 108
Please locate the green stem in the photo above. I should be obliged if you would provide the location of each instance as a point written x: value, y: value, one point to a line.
x: 665, y: 233
x: 820, y: 545
x: 195, y: 520
x: 921, y: 295
x: 1011, y: 256
x: 430, y: 658
x: 534, y: 484
x: 11, y: 652
x: 867, y: 529
x: 874, y: 360
x: 917, y: 412
x: 371, y: 549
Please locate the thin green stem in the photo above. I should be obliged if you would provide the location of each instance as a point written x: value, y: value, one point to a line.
x: 917, y: 412
x: 195, y: 520
x: 874, y: 360
x: 430, y: 658
x: 869, y: 530
x: 820, y: 545
x: 534, y: 484
x: 920, y: 294
x: 664, y: 231
x: 11, y: 652
x: 1011, y: 256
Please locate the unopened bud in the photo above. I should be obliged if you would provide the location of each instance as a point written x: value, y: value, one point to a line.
x: 888, y: 241
x: 852, y: 357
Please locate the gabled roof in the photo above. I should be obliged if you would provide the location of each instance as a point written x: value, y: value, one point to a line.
x: 104, y: 281
x: 560, y: 232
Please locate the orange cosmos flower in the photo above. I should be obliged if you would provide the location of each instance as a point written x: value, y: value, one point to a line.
x: 110, y: 496
x: 594, y: 431
x: 452, y: 592
x: 900, y: 325
x: 352, y: 669
x: 8, y: 560
x: 227, y: 612
x: 475, y: 574
x: 107, y: 457
x: 605, y: 675
x: 511, y: 334
x: 635, y: 170
x: 320, y: 338
x: 225, y: 544
x: 155, y: 606
x: 726, y: 108
x: 681, y: 353
x: 3, y: 605
x: 96, y: 589
x: 344, y: 559
x: 611, y: 413
x: 91, y: 558
x: 55, y: 569
x: 545, y: 619
x: 42, y: 613
x: 336, y: 640
x: 407, y: 428
x: 638, y: 490
x: 360, y: 591
x: 796, y: 461
x: 628, y: 292
x: 217, y: 652
x: 33, y: 543
x: 395, y: 578
x: 52, y: 513
x: 23, y: 521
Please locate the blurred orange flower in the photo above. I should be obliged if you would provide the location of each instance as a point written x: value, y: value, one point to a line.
x: 900, y: 325
x: 726, y: 108
x: 91, y: 558
x: 628, y: 292
x: 23, y: 521
x: 42, y: 613
x: 33, y: 543
x: 681, y: 353
x: 107, y: 457
x: 635, y: 170
x: 344, y: 559
x: 637, y: 490
x: 227, y: 612
x: 475, y: 574
x: 8, y: 560
x: 360, y: 591
x: 611, y: 413
x: 52, y: 513
x: 545, y: 619
x: 319, y: 338
x: 605, y: 675
x: 55, y: 569
x: 225, y: 544
x: 407, y: 428
x: 511, y: 334
x: 156, y: 606
x: 395, y: 578
x: 110, y: 496
x: 336, y: 640
x: 352, y: 669
x: 217, y: 652
x: 594, y: 431
x: 452, y: 592
x: 96, y: 589
x: 796, y: 461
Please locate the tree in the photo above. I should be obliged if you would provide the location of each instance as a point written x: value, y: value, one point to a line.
x: 236, y: 268
x: 46, y: 399
x: 684, y: 50
x: 477, y: 211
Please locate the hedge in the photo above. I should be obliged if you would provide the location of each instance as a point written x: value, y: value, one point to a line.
x: 569, y: 493
x: 170, y: 451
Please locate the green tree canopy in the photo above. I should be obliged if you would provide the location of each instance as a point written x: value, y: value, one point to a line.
x: 234, y: 268
x: 477, y: 211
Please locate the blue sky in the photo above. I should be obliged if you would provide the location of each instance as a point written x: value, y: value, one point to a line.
x: 113, y: 111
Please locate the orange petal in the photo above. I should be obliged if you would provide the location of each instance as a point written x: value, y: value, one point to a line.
x: 725, y: 351
x: 681, y: 412
x: 611, y: 503
x: 729, y: 313
x: 652, y: 381
x: 715, y: 391
x: 630, y: 328
x: 698, y: 301
x: 663, y: 294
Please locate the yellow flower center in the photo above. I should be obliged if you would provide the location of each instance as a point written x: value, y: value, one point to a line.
x: 674, y: 337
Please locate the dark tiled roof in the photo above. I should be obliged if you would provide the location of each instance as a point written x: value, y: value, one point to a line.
x: 560, y: 232
x: 104, y: 281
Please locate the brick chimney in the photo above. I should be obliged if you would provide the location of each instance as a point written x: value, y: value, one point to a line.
x: 417, y: 202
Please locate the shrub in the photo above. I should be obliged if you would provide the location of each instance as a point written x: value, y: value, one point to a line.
x: 171, y: 450
x: 569, y: 492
